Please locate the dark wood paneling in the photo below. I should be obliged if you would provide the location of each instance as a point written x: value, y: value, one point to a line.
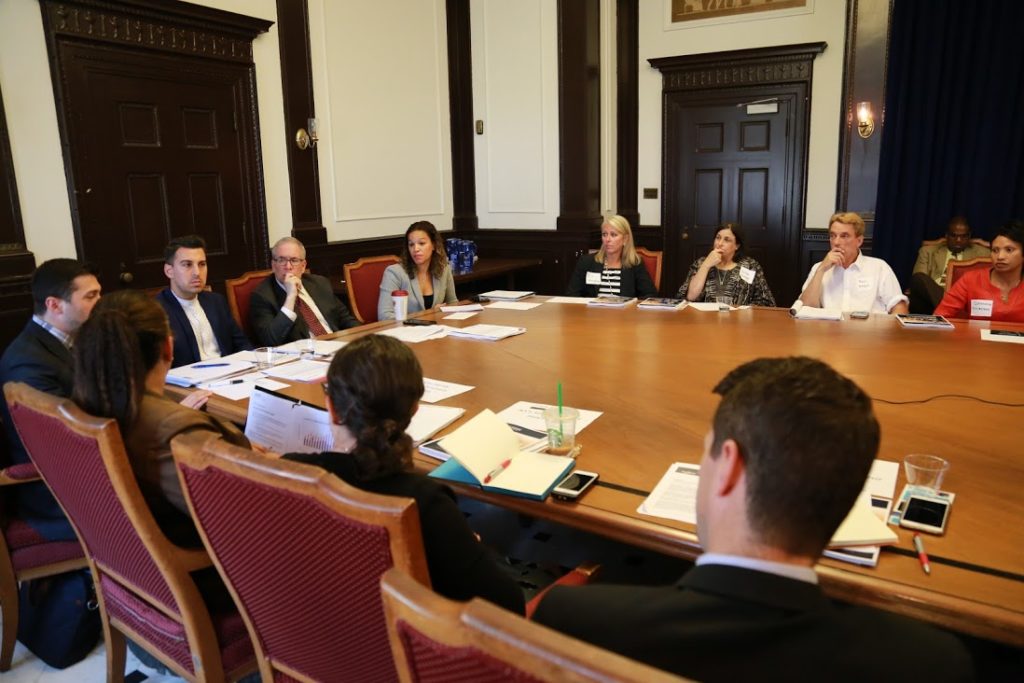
x: 579, y: 114
x: 16, y: 262
x: 627, y: 47
x: 865, y: 61
x: 297, y: 88
x: 460, y: 99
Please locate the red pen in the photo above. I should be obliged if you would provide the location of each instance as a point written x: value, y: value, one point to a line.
x: 497, y: 470
x: 922, y: 556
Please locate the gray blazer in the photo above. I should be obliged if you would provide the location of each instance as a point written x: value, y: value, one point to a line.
x: 395, y: 277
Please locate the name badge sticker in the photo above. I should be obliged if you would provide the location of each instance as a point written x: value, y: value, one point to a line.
x: 593, y: 278
x: 981, y: 308
x: 747, y: 275
x: 863, y: 284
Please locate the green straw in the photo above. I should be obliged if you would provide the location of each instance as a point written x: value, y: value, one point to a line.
x: 561, y: 435
x: 559, y: 399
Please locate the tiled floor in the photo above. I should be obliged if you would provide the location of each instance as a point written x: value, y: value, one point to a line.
x: 26, y: 668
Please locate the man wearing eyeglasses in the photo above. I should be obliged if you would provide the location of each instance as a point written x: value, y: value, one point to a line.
x: 295, y: 304
x: 927, y: 285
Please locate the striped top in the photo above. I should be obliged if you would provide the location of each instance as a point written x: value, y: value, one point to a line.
x: 611, y: 281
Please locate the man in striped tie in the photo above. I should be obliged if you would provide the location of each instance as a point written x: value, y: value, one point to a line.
x: 295, y: 304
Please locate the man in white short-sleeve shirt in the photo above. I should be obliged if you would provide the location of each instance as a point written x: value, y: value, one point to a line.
x: 846, y: 279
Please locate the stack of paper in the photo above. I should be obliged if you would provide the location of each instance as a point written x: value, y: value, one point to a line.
x: 319, y: 347
x: 529, y: 440
x: 505, y: 295
x: 205, y: 371
x: 1003, y: 336
x: 485, y: 332
x: 414, y: 334
x: 918, y: 320
x: 800, y: 311
x: 300, y: 371
x: 461, y: 308
x: 485, y: 453
x: 608, y: 301
x: 429, y: 420
x: 659, y: 303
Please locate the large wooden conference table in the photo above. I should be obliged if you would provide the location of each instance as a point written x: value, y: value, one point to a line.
x: 651, y: 374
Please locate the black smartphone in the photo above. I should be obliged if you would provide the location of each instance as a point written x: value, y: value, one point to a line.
x: 418, y: 321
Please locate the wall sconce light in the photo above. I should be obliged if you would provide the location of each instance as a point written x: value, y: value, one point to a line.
x: 865, y: 119
x: 305, y: 140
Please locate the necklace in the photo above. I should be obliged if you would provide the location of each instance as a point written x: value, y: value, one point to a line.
x: 1004, y: 292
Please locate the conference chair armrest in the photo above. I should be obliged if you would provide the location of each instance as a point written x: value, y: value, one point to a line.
x: 581, y: 575
x: 192, y: 559
x: 18, y: 474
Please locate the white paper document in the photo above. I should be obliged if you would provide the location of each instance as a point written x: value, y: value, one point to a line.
x: 675, y: 496
x: 569, y: 300
x: 531, y: 416
x: 460, y: 316
x: 513, y: 305
x: 321, y: 347
x: 205, y: 371
x: 435, y: 390
x: 242, y: 386
x: 286, y: 425
x: 708, y: 306
x: 505, y: 295
x: 462, y: 308
x: 485, y: 332
x: 299, y: 371
x: 429, y: 420
x: 414, y: 334
x: 801, y: 311
x: 1007, y: 336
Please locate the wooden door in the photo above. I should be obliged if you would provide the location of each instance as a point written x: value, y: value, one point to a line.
x: 726, y: 163
x: 160, y: 146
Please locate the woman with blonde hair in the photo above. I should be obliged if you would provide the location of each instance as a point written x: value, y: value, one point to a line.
x: 616, y: 269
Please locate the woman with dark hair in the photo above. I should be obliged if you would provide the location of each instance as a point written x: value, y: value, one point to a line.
x: 726, y: 272
x: 615, y: 269
x: 993, y: 293
x: 374, y: 385
x: 122, y: 354
x: 424, y: 273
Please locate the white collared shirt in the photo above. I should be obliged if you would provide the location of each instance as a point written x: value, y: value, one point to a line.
x: 63, y: 337
x: 788, y: 571
x: 304, y: 295
x: 867, y: 285
x: 206, y: 340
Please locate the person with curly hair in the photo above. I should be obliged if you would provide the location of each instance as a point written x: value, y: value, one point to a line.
x: 424, y: 273
x: 373, y: 387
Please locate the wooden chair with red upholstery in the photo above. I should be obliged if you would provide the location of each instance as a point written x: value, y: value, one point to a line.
x: 144, y: 583
x: 652, y: 262
x: 24, y: 553
x: 239, y: 291
x: 302, y: 553
x: 435, y: 639
x: 362, y: 279
x: 956, y: 269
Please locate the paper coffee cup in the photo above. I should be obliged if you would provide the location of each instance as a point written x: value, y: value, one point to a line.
x: 400, y: 300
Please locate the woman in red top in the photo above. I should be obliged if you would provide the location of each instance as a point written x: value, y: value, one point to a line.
x: 995, y: 294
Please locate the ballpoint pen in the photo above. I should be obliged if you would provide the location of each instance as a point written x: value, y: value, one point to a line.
x: 225, y: 383
x: 497, y: 470
x: 922, y: 556
x: 211, y: 365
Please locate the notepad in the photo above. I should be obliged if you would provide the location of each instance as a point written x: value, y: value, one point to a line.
x: 801, y: 311
x: 485, y: 452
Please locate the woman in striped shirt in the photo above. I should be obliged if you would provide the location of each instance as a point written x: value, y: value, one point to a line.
x: 616, y: 269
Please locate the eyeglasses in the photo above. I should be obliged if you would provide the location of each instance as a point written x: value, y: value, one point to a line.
x: 281, y: 260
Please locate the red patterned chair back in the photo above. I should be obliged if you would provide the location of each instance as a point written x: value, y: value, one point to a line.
x: 362, y: 279
x: 239, y: 292
x: 652, y: 262
x: 956, y: 269
x: 142, y: 580
x: 302, y: 553
x: 437, y: 640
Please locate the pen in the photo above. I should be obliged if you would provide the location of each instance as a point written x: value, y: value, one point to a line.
x: 211, y: 365
x: 225, y: 383
x: 497, y: 470
x: 922, y: 556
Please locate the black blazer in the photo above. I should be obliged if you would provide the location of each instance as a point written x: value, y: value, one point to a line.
x: 230, y: 337
x: 731, y: 624
x: 38, y: 359
x: 272, y: 327
x: 460, y: 566
x: 636, y: 281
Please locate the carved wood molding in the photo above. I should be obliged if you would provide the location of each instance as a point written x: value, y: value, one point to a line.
x: 177, y: 27
x: 738, y: 67
x: 12, y: 230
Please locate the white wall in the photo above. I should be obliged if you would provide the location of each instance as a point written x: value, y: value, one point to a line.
x: 515, y: 94
x: 826, y: 23
x: 380, y: 80
x: 35, y: 138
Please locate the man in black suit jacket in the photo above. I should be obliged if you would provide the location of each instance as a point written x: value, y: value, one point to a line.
x: 791, y: 444
x: 275, y: 308
x: 63, y: 294
x: 201, y: 321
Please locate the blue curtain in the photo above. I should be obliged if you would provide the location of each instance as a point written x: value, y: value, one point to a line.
x: 953, y: 140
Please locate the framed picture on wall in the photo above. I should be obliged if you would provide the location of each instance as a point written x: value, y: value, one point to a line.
x: 683, y: 12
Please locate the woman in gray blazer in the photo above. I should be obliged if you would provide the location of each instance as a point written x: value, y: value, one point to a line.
x: 424, y: 273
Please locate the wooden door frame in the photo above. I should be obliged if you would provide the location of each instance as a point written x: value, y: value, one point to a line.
x: 167, y: 27
x: 695, y: 77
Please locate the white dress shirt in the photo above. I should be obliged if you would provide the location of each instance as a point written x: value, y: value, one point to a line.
x: 206, y: 340
x: 868, y: 284
x: 788, y: 571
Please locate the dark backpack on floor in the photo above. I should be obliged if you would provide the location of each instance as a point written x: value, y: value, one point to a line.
x: 59, y: 618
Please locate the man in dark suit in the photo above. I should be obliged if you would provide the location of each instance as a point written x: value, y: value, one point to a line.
x: 201, y: 321
x: 791, y: 444
x: 63, y: 294
x: 294, y: 304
